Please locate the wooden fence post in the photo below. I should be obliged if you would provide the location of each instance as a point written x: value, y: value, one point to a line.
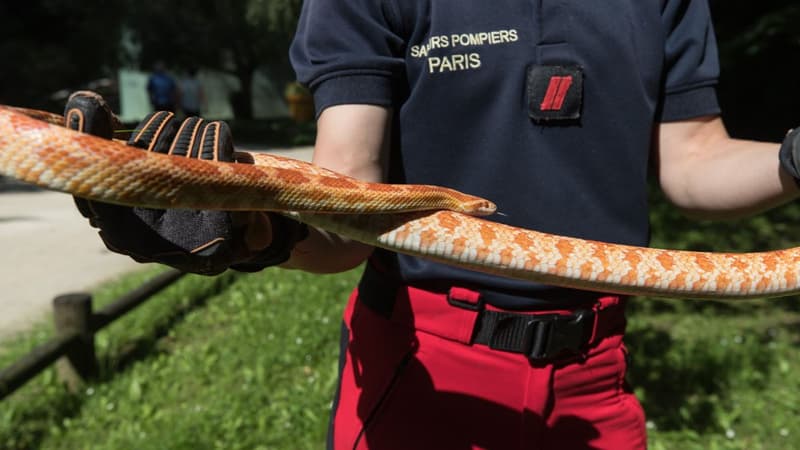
x: 73, y: 316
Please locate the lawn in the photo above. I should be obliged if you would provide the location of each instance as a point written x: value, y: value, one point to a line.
x: 249, y: 362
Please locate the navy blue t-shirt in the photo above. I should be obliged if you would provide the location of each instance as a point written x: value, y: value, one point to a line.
x: 456, y: 73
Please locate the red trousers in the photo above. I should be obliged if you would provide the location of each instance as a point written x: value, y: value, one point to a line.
x: 413, y: 381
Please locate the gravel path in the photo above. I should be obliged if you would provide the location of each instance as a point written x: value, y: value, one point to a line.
x: 48, y: 249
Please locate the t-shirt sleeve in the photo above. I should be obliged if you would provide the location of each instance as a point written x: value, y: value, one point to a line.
x: 348, y: 51
x: 691, y: 61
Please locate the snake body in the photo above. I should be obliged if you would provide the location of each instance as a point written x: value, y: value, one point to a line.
x: 426, y: 221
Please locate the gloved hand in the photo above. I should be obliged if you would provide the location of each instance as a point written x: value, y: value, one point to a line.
x: 790, y: 154
x: 204, y: 242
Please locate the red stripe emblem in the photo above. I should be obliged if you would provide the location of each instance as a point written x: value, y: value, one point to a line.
x: 556, y: 93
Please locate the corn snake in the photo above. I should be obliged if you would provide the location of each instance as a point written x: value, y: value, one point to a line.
x: 431, y: 222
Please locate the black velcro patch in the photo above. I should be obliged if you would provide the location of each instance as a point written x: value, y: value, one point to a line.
x: 555, y: 93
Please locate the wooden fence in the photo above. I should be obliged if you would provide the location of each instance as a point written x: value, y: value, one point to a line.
x: 76, y: 325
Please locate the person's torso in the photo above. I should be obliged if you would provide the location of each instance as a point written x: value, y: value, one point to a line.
x: 465, y: 123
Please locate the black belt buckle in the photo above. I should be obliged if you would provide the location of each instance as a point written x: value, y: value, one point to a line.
x: 559, y: 337
x: 552, y: 337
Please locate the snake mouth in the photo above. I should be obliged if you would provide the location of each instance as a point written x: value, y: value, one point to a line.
x: 485, y: 208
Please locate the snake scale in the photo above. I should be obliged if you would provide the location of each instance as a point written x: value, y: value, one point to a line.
x: 426, y: 221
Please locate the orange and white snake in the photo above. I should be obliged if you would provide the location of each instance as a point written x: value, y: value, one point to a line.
x: 426, y: 221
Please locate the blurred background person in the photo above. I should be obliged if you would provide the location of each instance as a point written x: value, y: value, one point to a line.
x: 162, y: 89
x: 192, y: 96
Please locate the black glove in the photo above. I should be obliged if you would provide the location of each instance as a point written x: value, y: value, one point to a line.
x: 204, y: 242
x: 790, y: 154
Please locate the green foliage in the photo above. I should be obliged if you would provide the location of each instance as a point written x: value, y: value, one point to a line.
x: 47, y: 45
x: 746, y: 29
x: 274, y: 15
x: 759, y: 42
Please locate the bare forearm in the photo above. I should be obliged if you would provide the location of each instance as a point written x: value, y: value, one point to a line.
x: 717, y: 177
x: 744, y: 178
x: 352, y: 140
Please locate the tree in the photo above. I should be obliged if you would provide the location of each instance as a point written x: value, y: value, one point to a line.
x: 50, y: 45
x: 759, y: 42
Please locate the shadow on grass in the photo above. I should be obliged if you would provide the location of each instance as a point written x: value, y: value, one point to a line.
x: 146, y: 345
x: 29, y: 425
x: 36, y: 413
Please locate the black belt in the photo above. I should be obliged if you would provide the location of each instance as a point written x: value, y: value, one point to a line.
x: 541, y: 337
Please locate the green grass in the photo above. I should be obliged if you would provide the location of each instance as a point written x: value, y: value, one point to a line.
x: 249, y: 362
x: 238, y: 361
